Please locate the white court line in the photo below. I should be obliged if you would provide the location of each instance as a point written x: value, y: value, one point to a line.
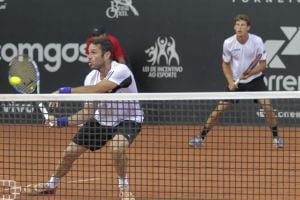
x: 76, y: 181
x: 8, y: 185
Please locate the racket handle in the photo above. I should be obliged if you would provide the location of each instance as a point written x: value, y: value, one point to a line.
x: 236, y: 82
x: 44, y: 111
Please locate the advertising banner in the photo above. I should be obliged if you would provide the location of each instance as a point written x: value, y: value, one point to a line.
x: 172, y: 45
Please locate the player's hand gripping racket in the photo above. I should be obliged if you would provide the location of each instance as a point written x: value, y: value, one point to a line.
x: 25, y: 68
x: 252, y: 65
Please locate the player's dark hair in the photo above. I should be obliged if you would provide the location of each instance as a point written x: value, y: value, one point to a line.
x: 97, y: 31
x: 104, y: 44
x: 243, y: 17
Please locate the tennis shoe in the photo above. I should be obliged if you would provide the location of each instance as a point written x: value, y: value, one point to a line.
x: 125, y: 194
x: 197, y: 141
x: 277, y: 142
x: 39, y: 189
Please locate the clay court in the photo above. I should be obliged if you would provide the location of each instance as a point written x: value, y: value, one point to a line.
x: 235, y: 163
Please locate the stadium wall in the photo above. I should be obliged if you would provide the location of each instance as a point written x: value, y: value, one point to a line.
x: 55, y: 32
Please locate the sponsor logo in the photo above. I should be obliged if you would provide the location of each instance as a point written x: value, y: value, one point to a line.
x: 280, y: 114
x: 12, y: 107
x: 121, y: 8
x: 3, y: 5
x: 163, y: 59
x: 277, y: 48
x: 266, y: 1
x: 292, y: 48
x: 53, y: 53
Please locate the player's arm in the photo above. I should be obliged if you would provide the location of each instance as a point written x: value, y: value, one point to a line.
x: 228, y: 75
x: 262, y: 63
x: 262, y: 66
x: 101, y: 87
x: 83, y: 115
x: 104, y: 86
x: 226, y: 58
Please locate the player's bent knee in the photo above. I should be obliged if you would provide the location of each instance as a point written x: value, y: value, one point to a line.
x: 119, y: 143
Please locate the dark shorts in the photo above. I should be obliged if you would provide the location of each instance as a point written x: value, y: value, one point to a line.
x: 255, y: 85
x: 93, y: 135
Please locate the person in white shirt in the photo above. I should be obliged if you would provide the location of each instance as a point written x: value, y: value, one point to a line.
x: 118, y: 121
x: 239, y: 51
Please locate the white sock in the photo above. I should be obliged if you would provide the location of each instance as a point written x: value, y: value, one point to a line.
x: 53, y: 182
x: 123, y: 181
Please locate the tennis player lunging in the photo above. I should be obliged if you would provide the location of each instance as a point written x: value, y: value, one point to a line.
x: 239, y: 51
x: 117, y: 121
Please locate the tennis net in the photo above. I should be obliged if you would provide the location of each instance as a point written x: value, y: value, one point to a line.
x: 236, y: 159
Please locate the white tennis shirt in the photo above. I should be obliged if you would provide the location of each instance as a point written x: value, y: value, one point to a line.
x: 111, y: 113
x: 240, y: 55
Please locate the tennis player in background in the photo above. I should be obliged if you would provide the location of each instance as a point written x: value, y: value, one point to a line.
x: 239, y: 51
x: 117, y: 121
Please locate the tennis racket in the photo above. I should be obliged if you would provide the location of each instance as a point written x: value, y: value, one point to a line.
x: 250, y: 67
x: 26, y: 68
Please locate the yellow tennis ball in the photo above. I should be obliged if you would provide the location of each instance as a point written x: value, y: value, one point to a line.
x: 15, y: 80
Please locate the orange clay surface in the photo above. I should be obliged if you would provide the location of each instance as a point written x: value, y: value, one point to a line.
x: 235, y: 163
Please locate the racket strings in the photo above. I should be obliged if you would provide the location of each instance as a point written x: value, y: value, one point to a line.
x: 25, y: 69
